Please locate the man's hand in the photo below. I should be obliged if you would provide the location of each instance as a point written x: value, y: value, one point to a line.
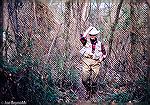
x: 88, y: 55
x: 97, y: 62
x: 87, y: 31
x: 101, y: 59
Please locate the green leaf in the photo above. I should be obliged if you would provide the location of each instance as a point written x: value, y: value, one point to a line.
x: 36, y: 62
x: 13, y: 69
x: 116, y: 85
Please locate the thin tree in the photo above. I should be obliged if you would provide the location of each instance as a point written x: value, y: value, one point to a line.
x: 1, y: 32
x: 148, y: 42
x: 113, y: 28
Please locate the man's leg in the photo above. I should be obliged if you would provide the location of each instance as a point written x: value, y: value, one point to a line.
x: 94, y: 87
x: 86, y: 85
x: 85, y: 80
x: 95, y: 78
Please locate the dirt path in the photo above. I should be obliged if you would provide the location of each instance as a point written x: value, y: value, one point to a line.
x: 104, y: 103
x: 86, y: 103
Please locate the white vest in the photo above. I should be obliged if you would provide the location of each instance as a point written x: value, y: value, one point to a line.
x: 87, y: 50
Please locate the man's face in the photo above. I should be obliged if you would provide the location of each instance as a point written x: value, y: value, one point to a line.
x: 92, y: 37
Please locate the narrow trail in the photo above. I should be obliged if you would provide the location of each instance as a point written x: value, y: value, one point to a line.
x: 88, y: 102
x: 104, y: 103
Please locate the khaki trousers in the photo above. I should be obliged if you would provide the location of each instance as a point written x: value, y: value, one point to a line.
x: 86, y: 67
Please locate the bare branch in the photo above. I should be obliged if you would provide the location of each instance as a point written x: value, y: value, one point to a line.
x: 52, y: 43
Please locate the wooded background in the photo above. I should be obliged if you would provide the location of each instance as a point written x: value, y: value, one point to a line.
x: 39, y: 50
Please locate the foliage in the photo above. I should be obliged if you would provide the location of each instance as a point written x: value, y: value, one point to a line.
x: 137, y: 92
x: 30, y: 86
x: 33, y: 89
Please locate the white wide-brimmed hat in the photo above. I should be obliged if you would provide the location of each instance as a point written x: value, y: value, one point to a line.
x: 93, y: 31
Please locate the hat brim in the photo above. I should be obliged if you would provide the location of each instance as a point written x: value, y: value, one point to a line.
x: 92, y: 34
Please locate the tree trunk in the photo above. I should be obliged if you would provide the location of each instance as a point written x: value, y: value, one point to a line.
x: 113, y: 28
x: 133, y: 36
x: 148, y: 42
x: 67, y: 27
x: 1, y: 32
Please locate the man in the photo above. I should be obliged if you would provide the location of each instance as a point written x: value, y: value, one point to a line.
x: 93, y: 53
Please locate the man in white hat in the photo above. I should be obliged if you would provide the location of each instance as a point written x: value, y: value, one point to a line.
x: 93, y: 53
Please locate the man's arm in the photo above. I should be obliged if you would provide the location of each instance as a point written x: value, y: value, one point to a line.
x: 83, y: 40
x: 103, y: 51
x: 83, y: 37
